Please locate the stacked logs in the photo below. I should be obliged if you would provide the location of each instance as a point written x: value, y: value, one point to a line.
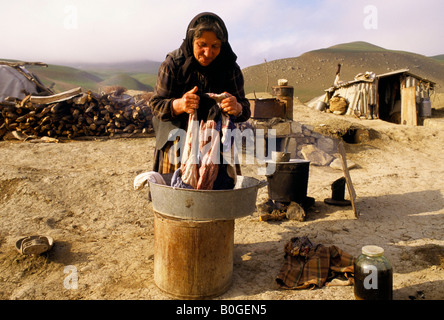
x: 85, y: 114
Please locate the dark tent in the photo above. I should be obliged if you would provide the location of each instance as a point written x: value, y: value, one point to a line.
x: 17, y: 82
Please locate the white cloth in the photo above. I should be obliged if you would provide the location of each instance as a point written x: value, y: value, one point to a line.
x: 142, y: 179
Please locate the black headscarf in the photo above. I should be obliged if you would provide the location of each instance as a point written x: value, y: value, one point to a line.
x: 215, y: 73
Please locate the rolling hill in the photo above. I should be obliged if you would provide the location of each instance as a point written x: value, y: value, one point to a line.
x: 138, y: 75
x: 313, y: 72
x: 439, y: 58
x: 62, y: 78
x: 129, y: 67
x: 310, y: 74
x: 125, y: 81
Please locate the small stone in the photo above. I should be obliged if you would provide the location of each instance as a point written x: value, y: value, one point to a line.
x: 295, y: 212
x: 316, y: 156
x: 328, y: 145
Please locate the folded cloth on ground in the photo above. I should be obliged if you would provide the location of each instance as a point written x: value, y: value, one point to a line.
x: 309, y: 265
x: 142, y: 179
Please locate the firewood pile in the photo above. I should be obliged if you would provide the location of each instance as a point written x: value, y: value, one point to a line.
x: 75, y: 113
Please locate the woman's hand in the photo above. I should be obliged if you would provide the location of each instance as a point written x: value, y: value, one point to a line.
x: 231, y: 106
x: 187, y: 104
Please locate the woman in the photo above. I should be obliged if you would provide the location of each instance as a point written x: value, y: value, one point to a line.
x: 204, y: 63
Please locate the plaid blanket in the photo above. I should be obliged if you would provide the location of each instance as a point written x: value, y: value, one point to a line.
x: 309, y: 265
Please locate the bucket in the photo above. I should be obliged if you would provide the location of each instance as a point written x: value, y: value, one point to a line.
x: 321, y: 106
x: 425, y: 109
x: 289, y: 182
x: 193, y: 259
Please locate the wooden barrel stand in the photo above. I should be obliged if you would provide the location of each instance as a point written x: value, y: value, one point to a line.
x: 193, y: 259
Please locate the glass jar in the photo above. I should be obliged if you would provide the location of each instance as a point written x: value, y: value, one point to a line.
x: 373, y: 275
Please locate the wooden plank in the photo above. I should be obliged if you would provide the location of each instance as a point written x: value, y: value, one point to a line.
x: 56, y: 97
x: 21, y: 63
x: 376, y: 112
x: 408, y: 106
x: 350, y: 188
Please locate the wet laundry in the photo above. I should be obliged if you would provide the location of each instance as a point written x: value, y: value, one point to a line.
x: 208, y: 167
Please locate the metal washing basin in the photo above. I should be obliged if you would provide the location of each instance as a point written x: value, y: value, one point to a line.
x: 206, y: 204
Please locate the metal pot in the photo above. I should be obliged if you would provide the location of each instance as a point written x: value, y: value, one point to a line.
x: 289, y: 181
x: 207, y: 204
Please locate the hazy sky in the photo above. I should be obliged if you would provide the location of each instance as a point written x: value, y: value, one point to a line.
x: 55, y: 31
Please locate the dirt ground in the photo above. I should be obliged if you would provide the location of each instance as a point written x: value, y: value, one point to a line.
x: 81, y: 193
